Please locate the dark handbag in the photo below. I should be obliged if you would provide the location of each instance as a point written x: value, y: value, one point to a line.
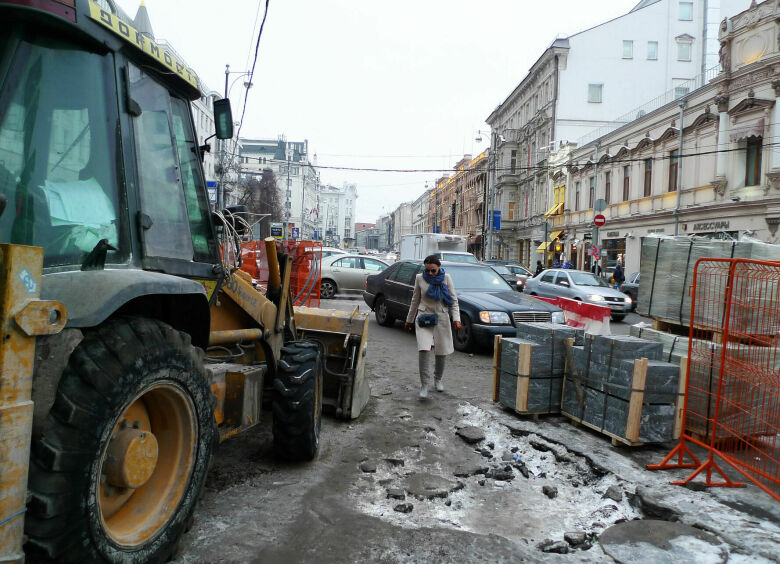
x: 427, y: 320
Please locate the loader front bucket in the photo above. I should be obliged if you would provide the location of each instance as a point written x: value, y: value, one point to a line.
x: 343, y: 340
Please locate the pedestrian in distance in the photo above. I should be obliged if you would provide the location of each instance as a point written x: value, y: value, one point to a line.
x: 539, y: 268
x: 433, y: 304
x: 618, y: 276
x: 596, y: 268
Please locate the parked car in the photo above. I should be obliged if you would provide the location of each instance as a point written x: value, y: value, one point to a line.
x: 631, y: 288
x: 521, y: 271
x: 392, y: 256
x: 510, y: 277
x: 330, y: 251
x: 347, y: 272
x: 488, y: 305
x: 581, y: 286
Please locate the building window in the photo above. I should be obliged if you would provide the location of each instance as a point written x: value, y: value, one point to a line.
x: 684, y: 51
x: 511, y: 210
x: 626, y: 182
x: 686, y: 11
x: 595, y: 93
x: 607, y: 185
x: 652, y: 50
x: 753, y: 161
x: 592, y: 191
x: 648, y: 177
x: 576, y: 196
x: 628, y: 49
x: 513, y: 162
x: 674, y: 161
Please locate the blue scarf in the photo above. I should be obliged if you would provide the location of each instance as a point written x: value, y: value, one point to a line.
x: 437, y: 290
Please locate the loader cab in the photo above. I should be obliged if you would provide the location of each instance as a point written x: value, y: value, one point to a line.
x: 98, y: 143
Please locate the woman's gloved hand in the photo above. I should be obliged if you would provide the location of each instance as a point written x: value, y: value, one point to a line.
x: 408, y: 326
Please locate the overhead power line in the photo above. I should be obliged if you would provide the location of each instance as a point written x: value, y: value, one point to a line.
x: 519, y: 168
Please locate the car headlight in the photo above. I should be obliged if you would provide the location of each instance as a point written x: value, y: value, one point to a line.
x: 494, y: 317
x: 558, y: 317
x: 628, y: 299
x: 596, y: 298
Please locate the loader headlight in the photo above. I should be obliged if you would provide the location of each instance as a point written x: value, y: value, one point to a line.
x: 494, y: 317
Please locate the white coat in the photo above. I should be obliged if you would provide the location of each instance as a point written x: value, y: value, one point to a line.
x: 440, y: 335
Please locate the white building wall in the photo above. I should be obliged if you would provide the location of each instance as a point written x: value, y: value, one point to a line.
x: 596, y: 57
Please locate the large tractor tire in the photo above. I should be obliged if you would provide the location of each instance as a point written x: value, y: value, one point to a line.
x: 297, y: 401
x: 125, y: 447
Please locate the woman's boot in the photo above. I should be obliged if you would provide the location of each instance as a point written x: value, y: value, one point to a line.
x: 425, y: 373
x: 439, y: 373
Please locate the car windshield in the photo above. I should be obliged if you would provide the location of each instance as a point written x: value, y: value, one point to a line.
x: 476, y: 278
x: 519, y: 270
x: 587, y: 279
x: 501, y: 269
x: 455, y: 257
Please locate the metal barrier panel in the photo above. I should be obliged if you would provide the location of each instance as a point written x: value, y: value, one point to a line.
x: 732, y: 400
x: 306, y: 272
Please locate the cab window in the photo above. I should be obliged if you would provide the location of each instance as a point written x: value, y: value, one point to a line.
x: 167, y: 235
x: 194, y: 185
x: 548, y: 277
x: 58, y: 117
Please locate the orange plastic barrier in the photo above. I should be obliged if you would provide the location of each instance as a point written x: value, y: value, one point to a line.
x: 732, y: 396
x: 306, y: 268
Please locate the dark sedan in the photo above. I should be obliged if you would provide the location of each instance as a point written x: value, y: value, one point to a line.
x: 631, y: 287
x: 488, y: 305
x: 516, y: 268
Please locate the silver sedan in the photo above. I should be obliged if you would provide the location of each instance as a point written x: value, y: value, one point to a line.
x: 579, y: 285
x: 347, y: 273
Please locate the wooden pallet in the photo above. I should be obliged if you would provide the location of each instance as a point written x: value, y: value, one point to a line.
x: 670, y: 326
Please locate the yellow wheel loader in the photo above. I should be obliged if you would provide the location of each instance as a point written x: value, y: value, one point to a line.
x: 130, y: 345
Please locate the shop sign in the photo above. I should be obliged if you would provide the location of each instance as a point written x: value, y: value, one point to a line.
x: 656, y: 230
x: 711, y: 226
x: 613, y: 233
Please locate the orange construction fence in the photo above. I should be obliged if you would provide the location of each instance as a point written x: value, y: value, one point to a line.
x: 306, y: 268
x: 732, y: 397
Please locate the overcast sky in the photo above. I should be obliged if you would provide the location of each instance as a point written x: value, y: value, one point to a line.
x: 398, y: 85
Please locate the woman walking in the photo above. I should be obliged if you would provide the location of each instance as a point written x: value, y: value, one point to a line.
x: 433, y: 304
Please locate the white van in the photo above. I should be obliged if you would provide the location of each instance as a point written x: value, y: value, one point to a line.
x: 446, y: 247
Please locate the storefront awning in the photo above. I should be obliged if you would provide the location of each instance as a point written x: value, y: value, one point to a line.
x: 543, y: 247
x: 554, y: 235
x: 553, y: 210
x: 748, y: 129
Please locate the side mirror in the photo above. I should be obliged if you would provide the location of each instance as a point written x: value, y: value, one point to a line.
x: 223, y: 119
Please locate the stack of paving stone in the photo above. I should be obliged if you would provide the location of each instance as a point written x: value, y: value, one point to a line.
x: 620, y: 386
x: 667, y: 267
x: 675, y: 347
x: 529, y: 369
x: 704, y: 376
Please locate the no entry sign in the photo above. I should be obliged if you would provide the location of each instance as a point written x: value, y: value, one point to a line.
x: 599, y: 220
